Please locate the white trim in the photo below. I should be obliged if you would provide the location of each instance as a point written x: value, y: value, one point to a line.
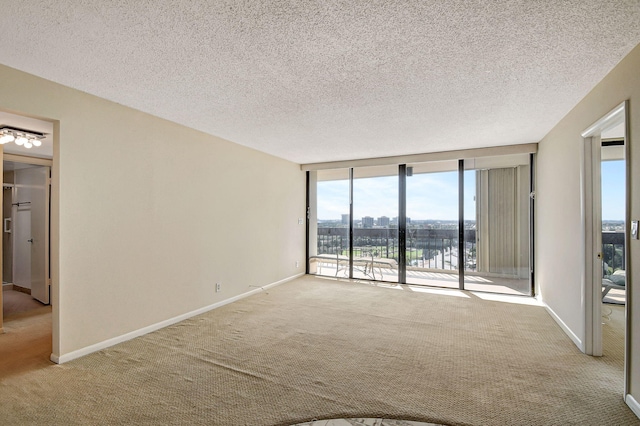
x: 61, y: 359
x: 565, y: 327
x: 627, y: 249
x: 633, y: 404
x: 24, y: 159
x: 611, y: 119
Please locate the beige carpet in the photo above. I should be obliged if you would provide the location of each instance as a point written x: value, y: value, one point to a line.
x: 319, y: 349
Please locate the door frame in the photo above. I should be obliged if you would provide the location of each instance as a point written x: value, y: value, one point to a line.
x: 591, y: 217
x: 54, y: 230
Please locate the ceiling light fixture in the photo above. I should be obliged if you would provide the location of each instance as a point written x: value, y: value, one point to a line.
x: 20, y: 137
x: 6, y: 139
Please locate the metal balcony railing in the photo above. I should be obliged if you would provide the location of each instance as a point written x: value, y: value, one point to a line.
x: 426, y: 248
x: 613, y: 251
x: 434, y: 248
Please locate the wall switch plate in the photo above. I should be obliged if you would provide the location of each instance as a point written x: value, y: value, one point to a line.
x: 299, y: 221
x: 634, y: 229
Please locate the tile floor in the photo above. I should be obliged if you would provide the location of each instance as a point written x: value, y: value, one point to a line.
x: 364, y: 422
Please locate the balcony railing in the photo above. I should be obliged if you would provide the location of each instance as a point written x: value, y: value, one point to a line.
x: 613, y: 251
x: 426, y: 248
x: 434, y: 248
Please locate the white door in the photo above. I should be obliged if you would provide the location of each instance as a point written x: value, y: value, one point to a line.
x: 40, y: 234
x: 32, y: 219
x: 21, y: 244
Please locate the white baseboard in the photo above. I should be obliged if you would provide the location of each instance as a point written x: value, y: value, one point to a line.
x: 579, y: 343
x: 633, y: 404
x: 61, y: 359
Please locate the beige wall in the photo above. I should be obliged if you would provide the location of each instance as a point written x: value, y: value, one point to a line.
x: 558, y: 227
x: 153, y: 214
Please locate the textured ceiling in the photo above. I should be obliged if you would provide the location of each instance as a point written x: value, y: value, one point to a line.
x: 314, y: 81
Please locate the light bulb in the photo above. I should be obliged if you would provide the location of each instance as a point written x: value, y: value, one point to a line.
x: 36, y: 142
x: 28, y: 144
x: 6, y: 138
x: 20, y: 140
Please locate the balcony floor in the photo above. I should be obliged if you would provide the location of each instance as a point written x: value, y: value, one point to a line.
x: 615, y: 297
x: 433, y: 279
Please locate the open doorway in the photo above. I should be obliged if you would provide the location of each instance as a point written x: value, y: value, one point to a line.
x: 25, y: 236
x: 605, y: 219
x: 613, y: 190
x: 25, y: 299
x: 613, y: 187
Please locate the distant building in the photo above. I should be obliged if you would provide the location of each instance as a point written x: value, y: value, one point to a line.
x: 383, y: 221
x: 367, y: 222
x: 345, y: 219
x: 395, y: 220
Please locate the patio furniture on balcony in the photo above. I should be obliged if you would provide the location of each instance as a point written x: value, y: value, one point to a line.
x: 616, y: 280
x: 318, y: 261
x: 367, y: 265
x: 372, y: 263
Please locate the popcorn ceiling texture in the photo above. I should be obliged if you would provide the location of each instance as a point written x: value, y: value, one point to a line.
x: 314, y: 81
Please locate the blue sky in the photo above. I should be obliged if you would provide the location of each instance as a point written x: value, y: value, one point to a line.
x: 434, y: 196
x: 429, y: 196
x: 613, y: 190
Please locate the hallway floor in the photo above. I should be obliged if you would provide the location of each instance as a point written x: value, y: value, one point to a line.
x: 15, y: 302
x: 26, y: 342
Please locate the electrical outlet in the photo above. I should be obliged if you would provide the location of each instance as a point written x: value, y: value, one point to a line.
x: 297, y: 264
x: 218, y: 287
x: 299, y: 221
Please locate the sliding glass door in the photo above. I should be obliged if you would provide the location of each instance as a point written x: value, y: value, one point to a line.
x: 457, y: 224
x: 498, y: 250
x: 375, y: 223
x: 329, y: 223
x: 432, y: 224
